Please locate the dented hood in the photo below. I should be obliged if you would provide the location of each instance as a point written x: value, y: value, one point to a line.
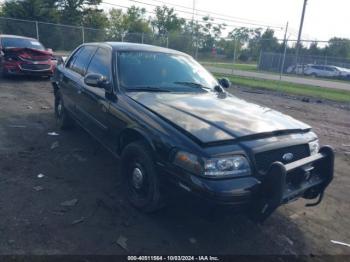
x: 212, y: 117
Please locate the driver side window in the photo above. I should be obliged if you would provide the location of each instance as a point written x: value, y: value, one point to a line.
x: 80, y: 60
x: 101, y: 63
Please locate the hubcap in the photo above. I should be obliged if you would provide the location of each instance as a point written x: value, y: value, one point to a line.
x: 137, y: 178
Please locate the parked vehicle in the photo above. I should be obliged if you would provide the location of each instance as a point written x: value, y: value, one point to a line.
x: 175, y: 127
x: 296, y: 69
x: 24, y: 56
x: 344, y: 72
x: 322, y: 71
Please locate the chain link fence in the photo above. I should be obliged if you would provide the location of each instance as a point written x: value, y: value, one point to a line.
x: 268, y: 55
x: 271, y: 61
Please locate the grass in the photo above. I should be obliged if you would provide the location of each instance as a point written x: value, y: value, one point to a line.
x: 296, y: 89
x: 254, y: 67
x: 245, y: 67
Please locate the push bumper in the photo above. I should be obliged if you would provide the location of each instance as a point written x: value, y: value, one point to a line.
x: 307, y: 178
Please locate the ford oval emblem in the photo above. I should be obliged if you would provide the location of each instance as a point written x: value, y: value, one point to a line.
x: 288, y: 157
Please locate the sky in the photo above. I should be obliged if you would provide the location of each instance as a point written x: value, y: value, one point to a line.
x: 323, y: 18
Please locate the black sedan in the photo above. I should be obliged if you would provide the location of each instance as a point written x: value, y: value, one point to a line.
x: 174, y: 126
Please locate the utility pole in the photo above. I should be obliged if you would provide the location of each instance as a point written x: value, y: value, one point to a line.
x: 193, y: 10
x: 299, y: 34
x: 37, y: 30
x: 284, y: 52
x: 83, y: 33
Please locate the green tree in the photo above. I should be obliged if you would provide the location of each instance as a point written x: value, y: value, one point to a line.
x: 210, y: 33
x: 314, y: 49
x: 269, y: 43
x: 135, y: 21
x: 73, y: 11
x: 116, y: 27
x: 40, y: 10
x: 166, y: 21
x: 339, y: 47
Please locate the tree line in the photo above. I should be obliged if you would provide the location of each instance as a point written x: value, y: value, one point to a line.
x: 165, y: 28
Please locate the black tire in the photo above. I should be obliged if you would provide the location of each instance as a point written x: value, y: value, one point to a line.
x: 63, y: 119
x: 314, y: 75
x: 140, y: 179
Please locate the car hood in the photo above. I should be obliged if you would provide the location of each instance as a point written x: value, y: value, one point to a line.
x: 29, y: 53
x: 212, y: 117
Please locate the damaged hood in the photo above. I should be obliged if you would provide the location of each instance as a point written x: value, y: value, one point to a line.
x: 212, y: 117
x: 28, y: 53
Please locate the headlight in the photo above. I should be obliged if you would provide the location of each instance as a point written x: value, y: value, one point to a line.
x: 227, y: 166
x: 214, y: 167
x: 189, y: 162
x: 314, y: 147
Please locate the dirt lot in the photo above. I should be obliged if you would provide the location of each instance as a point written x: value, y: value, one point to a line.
x: 33, y: 220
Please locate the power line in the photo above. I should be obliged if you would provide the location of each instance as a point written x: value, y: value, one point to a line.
x: 189, y: 20
x: 219, y: 18
x: 226, y: 38
x: 191, y: 13
x: 208, y: 12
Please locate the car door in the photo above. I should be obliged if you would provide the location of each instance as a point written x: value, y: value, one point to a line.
x: 94, y: 104
x: 70, y: 84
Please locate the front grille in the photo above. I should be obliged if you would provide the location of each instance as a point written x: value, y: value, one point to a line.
x: 263, y: 160
x: 35, y: 58
x: 35, y: 67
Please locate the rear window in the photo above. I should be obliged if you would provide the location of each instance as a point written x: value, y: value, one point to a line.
x: 8, y: 42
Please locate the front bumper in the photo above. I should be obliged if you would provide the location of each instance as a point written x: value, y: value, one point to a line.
x: 17, y: 68
x: 282, y: 183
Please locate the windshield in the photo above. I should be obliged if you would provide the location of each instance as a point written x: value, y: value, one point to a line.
x: 8, y: 42
x: 153, y: 71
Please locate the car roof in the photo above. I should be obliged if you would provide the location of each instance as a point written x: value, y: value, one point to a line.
x: 17, y: 36
x: 126, y: 46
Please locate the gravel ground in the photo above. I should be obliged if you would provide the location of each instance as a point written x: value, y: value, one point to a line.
x: 75, y: 206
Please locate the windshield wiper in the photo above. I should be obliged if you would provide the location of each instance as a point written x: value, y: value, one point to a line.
x: 192, y: 84
x: 146, y: 89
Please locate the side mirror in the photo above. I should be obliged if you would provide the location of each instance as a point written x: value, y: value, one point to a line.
x: 224, y: 82
x: 96, y: 80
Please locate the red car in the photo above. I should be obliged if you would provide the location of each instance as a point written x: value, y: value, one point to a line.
x: 25, y: 56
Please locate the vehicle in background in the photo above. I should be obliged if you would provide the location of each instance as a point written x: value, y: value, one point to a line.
x: 296, y: 69
x: 25, y: 56
x: 176, y: 129
x: 344, y: 72
x: 322, y: 71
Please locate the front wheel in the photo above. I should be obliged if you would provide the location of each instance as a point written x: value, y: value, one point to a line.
x: 63, y: 119
x: 140, y: 177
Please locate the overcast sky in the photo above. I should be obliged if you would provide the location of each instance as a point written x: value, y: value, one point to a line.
x: 323, y: 20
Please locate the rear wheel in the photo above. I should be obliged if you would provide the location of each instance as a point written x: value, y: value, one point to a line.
x: 63, y: 119
x: 140, y: 178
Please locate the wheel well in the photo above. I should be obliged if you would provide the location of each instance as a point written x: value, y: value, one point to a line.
x: 128, y: 136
